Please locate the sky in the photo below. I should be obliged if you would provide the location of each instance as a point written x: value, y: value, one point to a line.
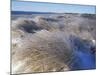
x: 51, y: 7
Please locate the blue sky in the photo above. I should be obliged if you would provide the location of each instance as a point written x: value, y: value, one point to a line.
x: 51, y: 7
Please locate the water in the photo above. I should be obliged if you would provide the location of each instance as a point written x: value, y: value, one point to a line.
x: 84, y: 59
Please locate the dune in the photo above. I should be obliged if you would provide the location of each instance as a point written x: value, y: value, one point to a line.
x: 49, y: 44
